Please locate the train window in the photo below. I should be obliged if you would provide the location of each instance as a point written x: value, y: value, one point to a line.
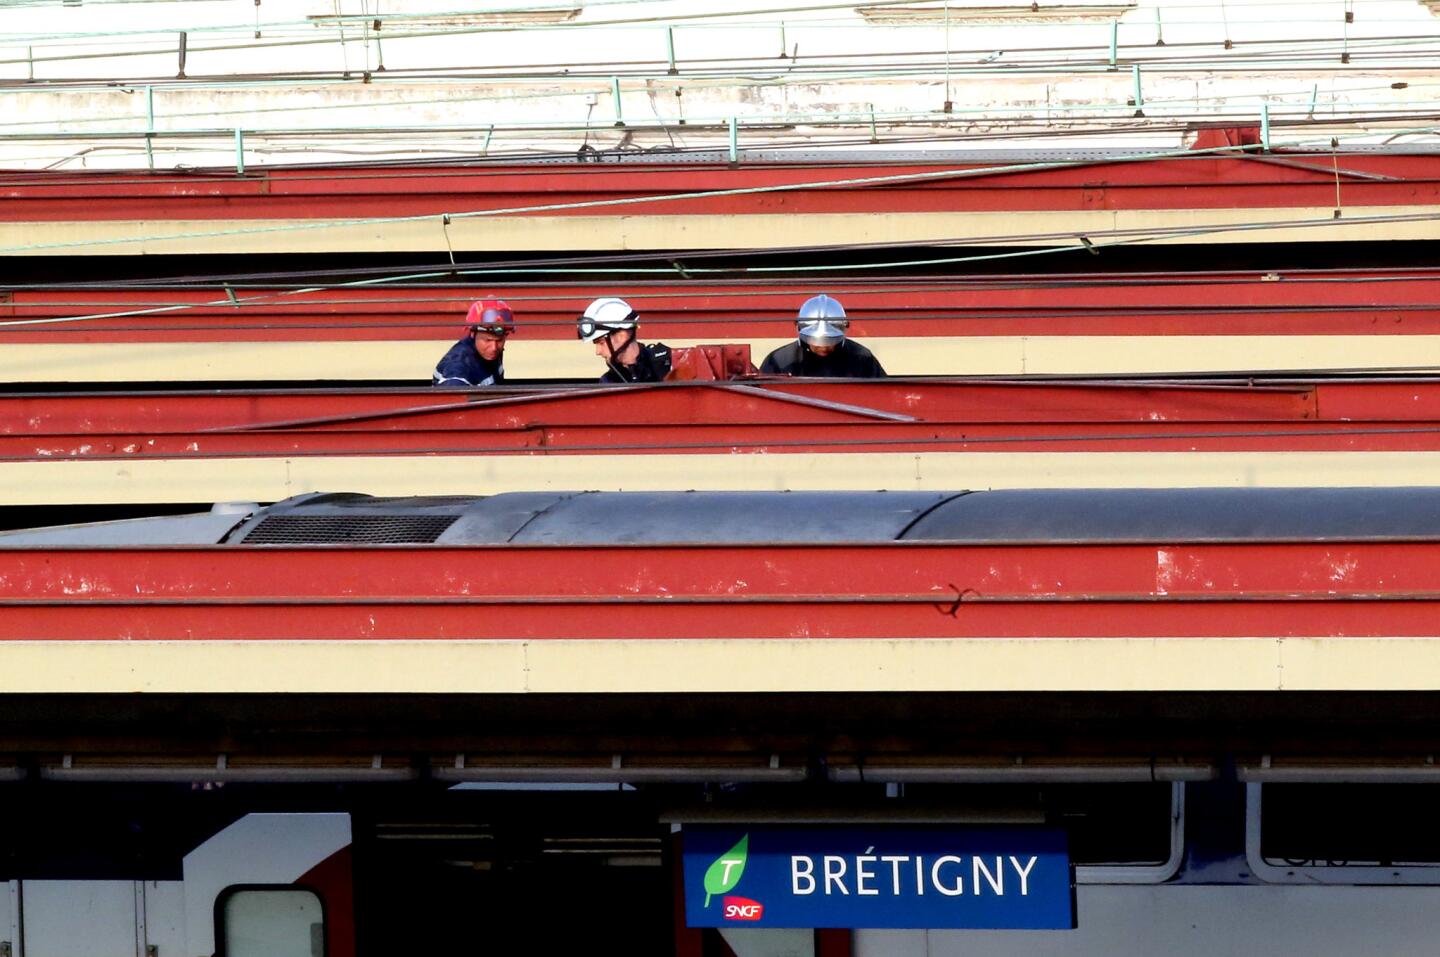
x: 271, y: 922
x: 1126, y: 833
x: 1350, y: 833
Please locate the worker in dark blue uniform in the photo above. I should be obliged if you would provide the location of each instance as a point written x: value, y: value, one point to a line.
x: 479, y: 357
x: 614, y: 327
x: 821, y: 349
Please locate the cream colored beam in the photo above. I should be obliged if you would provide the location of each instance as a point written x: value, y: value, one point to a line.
x: 568, y: 359
x: 652, y: 228
x: 720, y: 666
x: 144, y: 480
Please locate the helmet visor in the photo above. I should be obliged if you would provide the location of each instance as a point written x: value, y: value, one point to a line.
x: 590, y: 330
x: 822, y: 332
x: 497, y: 322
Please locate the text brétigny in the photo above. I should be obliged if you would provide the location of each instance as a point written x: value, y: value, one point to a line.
x: 868, y: 875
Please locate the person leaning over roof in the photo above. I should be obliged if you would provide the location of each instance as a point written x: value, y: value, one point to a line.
x: 479, y: 357
x: 821, y: 348
x: 614, y: 327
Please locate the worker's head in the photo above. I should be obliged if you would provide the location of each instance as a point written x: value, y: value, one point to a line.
x: 490, y: 322
x: 610, y: 324
x: 821, y: 324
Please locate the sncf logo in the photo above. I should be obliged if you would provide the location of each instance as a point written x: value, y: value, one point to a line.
x: 743, y: 908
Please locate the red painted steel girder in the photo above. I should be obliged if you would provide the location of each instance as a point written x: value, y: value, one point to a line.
x: 1329, y: 302
x: 892, y: 570
x: 857, y: 617
x: 1203, y: 181
x: 741, y: 439
x: 759, y: 402
x: 766, y: 415
x: 892, y: 590
x: 771, y: 416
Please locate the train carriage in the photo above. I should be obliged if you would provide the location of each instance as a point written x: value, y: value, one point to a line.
x: 344, y: 724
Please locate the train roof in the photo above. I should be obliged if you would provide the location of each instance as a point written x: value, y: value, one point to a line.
x: 654, y: 518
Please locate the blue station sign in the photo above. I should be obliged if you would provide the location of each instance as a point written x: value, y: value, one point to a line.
x: 902, y: 877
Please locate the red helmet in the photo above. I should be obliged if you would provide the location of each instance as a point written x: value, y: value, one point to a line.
x: 492, y: 316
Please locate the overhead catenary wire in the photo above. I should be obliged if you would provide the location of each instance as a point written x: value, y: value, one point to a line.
x: 780, y: 313
x: 72, y: 121
x: 309, y: 25
x: 419, y: 276
x: 823, y: 67
x: 1134, y: 235
x: 1106, y: 118
x: 610, y: 24
x: 1246, y: 54
x: 497, y: 28
x: 1124, y: 237
x: 845, y: 182
x: 410, y: 279
x: 724, y: 73
x: 582, y: 204
x: 1371, y: 122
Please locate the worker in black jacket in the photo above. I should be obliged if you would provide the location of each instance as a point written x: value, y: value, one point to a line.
x: 821, y: 348
x: 613, y: 326
x: 478, y: 359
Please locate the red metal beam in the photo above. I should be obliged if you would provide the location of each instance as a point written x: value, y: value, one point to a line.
x: 930, y: 401
x: 669, y: 620
x: 768, y: 416
x: 895, y: 590
x: 318, y: 193
x: 923, y: 571
x: 725, y: 439
x: 1338, y: 302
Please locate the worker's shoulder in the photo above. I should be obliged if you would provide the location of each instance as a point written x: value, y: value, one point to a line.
x: 461, y: 355
x: 786, y: 355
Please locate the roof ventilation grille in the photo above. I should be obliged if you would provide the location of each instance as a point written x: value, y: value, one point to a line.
x: 348, y: 529
x: 361, y: 500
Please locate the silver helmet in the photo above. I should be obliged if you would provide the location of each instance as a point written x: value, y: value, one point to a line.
x: 822, y: 322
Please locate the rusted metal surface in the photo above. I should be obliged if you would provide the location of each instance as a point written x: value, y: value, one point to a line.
x: 928, y: 400
x: 759, y: 415
x: 894, y: 590
x: 710, y: 363
x: 718, y: 438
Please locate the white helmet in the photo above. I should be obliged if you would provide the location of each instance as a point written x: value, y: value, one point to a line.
x: 604, y: 316
x: 822, y: 322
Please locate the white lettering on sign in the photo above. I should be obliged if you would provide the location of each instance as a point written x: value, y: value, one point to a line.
x: 864, y: 871
x: 940, y: 862
x: 797, y: 875
x: 751, y: 911
x: 943, y: 874
x: 995, y: 880
x: 894, y: 863
x: 835, y: 873
x: 1024, y: 874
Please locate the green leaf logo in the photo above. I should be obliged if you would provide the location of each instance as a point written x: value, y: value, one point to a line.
x: 724, y: 874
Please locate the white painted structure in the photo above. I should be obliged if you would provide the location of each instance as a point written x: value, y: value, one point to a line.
x: 346, y: 80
